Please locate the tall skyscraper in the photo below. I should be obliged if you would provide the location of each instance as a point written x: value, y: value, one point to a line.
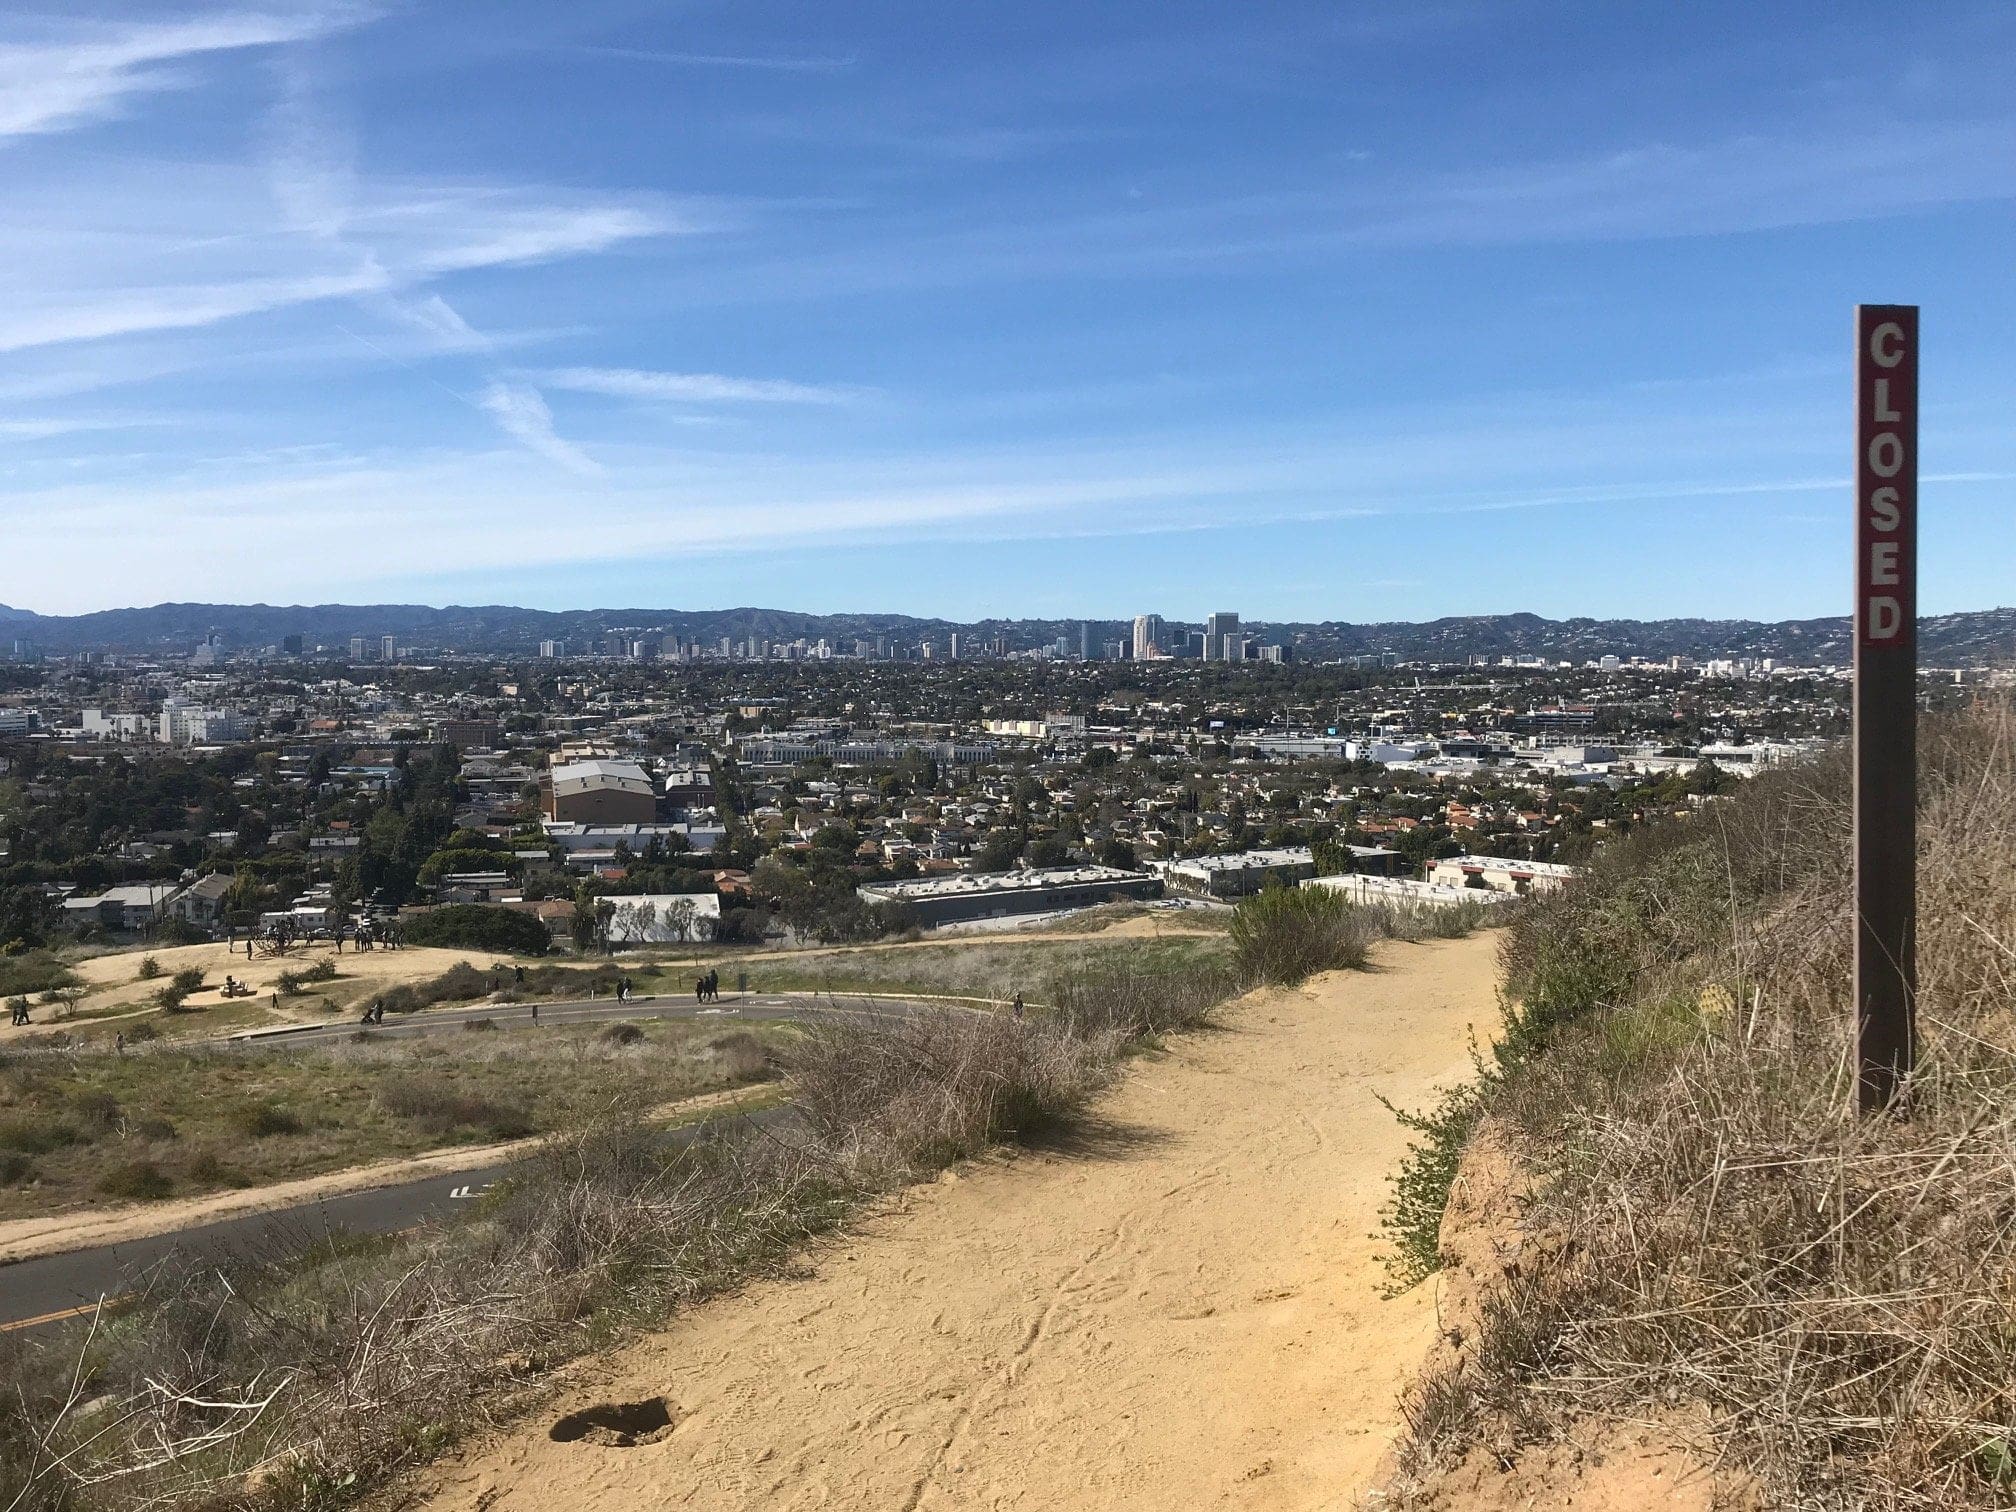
x: 1149, y: 636
x: 955, y: 645
x: 388, y: 648
x: 1084, y: 640
x: 1220, y: 629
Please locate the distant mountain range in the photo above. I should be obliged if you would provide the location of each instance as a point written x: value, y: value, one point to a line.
x: 1947, y: 639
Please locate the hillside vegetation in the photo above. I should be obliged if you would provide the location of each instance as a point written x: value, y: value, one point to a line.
x: 1717, y: 1229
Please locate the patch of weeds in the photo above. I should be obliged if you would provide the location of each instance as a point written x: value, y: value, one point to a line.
x: 1412, y: 1217
x: 137, y: 1181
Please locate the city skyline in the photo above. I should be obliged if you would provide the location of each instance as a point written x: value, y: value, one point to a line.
x: 1337, y: 314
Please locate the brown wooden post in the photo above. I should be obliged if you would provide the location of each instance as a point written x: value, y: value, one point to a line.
x: 1886, y: 701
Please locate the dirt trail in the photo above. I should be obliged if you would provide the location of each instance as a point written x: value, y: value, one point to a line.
x: 1181, y: 1313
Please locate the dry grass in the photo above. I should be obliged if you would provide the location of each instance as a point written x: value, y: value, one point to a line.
x: 1840, y: 1292
x: 212, y: 1116
x: 301, y: 1380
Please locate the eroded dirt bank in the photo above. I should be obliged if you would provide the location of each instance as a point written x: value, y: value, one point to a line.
x: 1180, y: 1311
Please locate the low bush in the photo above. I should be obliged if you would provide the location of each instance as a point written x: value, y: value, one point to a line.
x: 441, y: 1108
x: 741, y: 1056
x: 622, y: 1034
x: 477, y: 926
x: 97, y: 1111
x: 207, y: 1168
x: 1285, y: 935
x: 137, y: 1181
x: 459, y: 982
x: 31, y: 972
x: 916, y: 1092
x: 27, y: 1134
x: 149, y: 969
x: 266, y: 1120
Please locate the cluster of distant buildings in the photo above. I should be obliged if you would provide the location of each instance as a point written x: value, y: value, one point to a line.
x: 974, y: 897
x: 1221, y: 640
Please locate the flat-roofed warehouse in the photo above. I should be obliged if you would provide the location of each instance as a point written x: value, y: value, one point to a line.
x: 601, y: 792
x: 997, y: 895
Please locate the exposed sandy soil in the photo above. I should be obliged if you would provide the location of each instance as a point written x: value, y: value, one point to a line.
x: 113, y: 984
x: 1182, y: 1311
x: 1601, y: 1466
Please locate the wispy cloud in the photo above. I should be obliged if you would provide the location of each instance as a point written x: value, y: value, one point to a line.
x: 768, y: 63
x: 88, y: 72
x: 693, y: 388
x: 523, y: 413
x: 207, y: 249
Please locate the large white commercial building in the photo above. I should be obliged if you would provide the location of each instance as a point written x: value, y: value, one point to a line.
x: 1500, y: 874
x: 1406, y: 892
x: 996, y: 895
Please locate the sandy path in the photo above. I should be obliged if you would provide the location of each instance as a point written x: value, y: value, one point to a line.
x: 1183, y: 1313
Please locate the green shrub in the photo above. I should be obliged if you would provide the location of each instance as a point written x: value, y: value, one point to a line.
x: 1412, y: 1216
x: 458, y: 983
x: 263, y: 1120
x: 33, y: 971
x: 477, y: 926
x: 207, y: 1169
x: 1287, y: 934
x: 150, y: 968
x: 441, y: 1108
x: 28, y: 1134
x: 323, y: 970
x: 97, y: 1111
x: 137, y: 1181
x: 189, y: 979
x: 15, y: 1170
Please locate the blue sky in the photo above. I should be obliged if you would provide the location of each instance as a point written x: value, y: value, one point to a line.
x: 1310, y: 310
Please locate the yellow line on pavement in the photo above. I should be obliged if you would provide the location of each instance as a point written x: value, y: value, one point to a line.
x: 55, y: 1317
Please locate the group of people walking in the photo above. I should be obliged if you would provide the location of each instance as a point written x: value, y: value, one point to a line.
x: 708, y: 988
x: 19, y: 1007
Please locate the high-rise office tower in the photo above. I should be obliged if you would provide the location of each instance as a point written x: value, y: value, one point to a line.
x: 1149, y: 636
x: 1217, y: 629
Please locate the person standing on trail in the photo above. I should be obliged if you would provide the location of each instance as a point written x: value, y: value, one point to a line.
x: 714, y: 985
x: 535, y: 1015
x: 1018, y: 1005
x: 700, y: 990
